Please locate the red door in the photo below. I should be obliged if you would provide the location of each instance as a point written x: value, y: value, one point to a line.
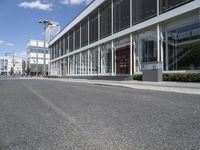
x: 123, y: 61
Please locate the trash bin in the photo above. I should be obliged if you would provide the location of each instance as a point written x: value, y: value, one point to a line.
x: 152, y: 71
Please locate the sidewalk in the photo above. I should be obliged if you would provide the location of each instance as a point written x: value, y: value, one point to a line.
x: 188, y: 88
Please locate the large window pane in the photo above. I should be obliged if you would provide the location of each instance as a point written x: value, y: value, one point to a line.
x: 71, y: 41
x: 71, y: 71
x: 84, y: 62
x: 106, y: 59
x: 66, y: 44
x: 105, y: 19
x: 94, y: 27
x: 182, y: 44
x: 143, y: 9
x: 169, y: 4
x: 93, y: 61
x: 146, y: 48
x: 77, y: 62
x: 84, y: 32
x: 77, y: 37
x: 121, y: 16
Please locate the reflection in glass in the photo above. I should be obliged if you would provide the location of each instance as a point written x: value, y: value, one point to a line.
x: 93, y: 65
x: 84, y: 62
x: 170, y: 4
x: 182, y: 45
x: 106, y: 59
x: 143, y: 9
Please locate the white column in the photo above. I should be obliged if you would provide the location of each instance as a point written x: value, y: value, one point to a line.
x: 99, y: 64
x: 68, y: 66
x: 134, y: 56
x: 161, y: 50
x: 112, y: 16
x: 131, y: 54
x: 88, y: 29
x: 131, y: 13
x: 166, y: 50
x: 88, y: 65
x: 112, y: 48
x: 158, y: 42
x: 158, y: 7
x: 73, y: 63
x: 80, y: 64
x: 99, y: 25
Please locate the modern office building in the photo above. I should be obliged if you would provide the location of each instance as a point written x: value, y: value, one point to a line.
x: 11, y: 62
x: 115, y: 37
x: 35, y: 56
x: 52, y: 30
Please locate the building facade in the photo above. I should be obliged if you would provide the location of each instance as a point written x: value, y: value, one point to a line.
x: 35, y: 57
x: 51, y: 31
x: 7, y: 63
x: 115, y: 37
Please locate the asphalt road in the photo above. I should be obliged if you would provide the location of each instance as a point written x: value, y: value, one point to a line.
x: 53, y: 115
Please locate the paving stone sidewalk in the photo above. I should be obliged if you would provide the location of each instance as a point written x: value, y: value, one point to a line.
x: 178, y: 87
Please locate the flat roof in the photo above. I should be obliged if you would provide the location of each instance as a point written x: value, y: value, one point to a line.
x: 84, y: 13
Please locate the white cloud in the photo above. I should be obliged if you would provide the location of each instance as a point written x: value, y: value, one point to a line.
x: 2, y: 42
x: 6, y: 43
x: 10, y: 44
x: 36, y: 5
x: 75, y: 2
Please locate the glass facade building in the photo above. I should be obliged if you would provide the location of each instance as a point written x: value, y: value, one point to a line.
x: 115, y: 37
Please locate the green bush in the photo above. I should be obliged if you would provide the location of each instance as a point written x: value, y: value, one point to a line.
x: 178, y: 77
x: 137, y: 77
x: 182, y: 77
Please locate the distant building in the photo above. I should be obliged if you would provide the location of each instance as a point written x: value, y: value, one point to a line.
x: 35, y: 56
x: 52, y: 31
x: 9, y: 62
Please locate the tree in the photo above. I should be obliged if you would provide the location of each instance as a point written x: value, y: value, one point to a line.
x: 11, y: 71
x: 28, y: 70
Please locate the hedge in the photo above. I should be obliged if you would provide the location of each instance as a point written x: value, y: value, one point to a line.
x: 178, y: 77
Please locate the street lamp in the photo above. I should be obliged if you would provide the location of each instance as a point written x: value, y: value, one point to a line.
x: 46, y: 23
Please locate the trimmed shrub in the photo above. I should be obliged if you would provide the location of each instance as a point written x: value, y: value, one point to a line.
x: 178, y: 77
x: 182, y: 77
x: 137, y: 77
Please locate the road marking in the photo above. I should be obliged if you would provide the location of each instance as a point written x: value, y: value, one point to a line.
x: 92, y: 138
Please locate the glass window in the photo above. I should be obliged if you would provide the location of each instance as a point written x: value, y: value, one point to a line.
x: 93, y: 26
x: 66, y: 43
x: 84, y: 32
x: 146, y: 48
x: 182, y: 44
x: 84, y: 62
x: 143, y: 9
x: 121, y: 14
x: 71, y: 71
x: 93, y: 65
x: 77, y: 37
x: 105, y: 19
x: 71, y: 41
x: 106, y: 59
x: 170, y: 4
x: 77, y: 63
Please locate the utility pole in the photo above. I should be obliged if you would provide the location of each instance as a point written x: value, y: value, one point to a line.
x: 46, y: 23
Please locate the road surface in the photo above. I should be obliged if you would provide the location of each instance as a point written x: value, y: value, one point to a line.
x: 53, y: 115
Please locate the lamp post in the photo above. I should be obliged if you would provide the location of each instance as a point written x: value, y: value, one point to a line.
x: 46, y: 23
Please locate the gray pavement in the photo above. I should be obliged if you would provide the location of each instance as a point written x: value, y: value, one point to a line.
x: 177, y: 87
x: 52, y: 115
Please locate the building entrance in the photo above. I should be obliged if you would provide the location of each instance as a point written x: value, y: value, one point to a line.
x: 123, y: 61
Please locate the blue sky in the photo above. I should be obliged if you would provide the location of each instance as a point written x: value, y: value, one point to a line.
x: 19, y: 20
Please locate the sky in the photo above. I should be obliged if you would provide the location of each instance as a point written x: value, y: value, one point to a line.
x: 19, y: 20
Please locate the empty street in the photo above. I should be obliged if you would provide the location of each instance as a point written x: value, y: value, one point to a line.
x: 54, y: 115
